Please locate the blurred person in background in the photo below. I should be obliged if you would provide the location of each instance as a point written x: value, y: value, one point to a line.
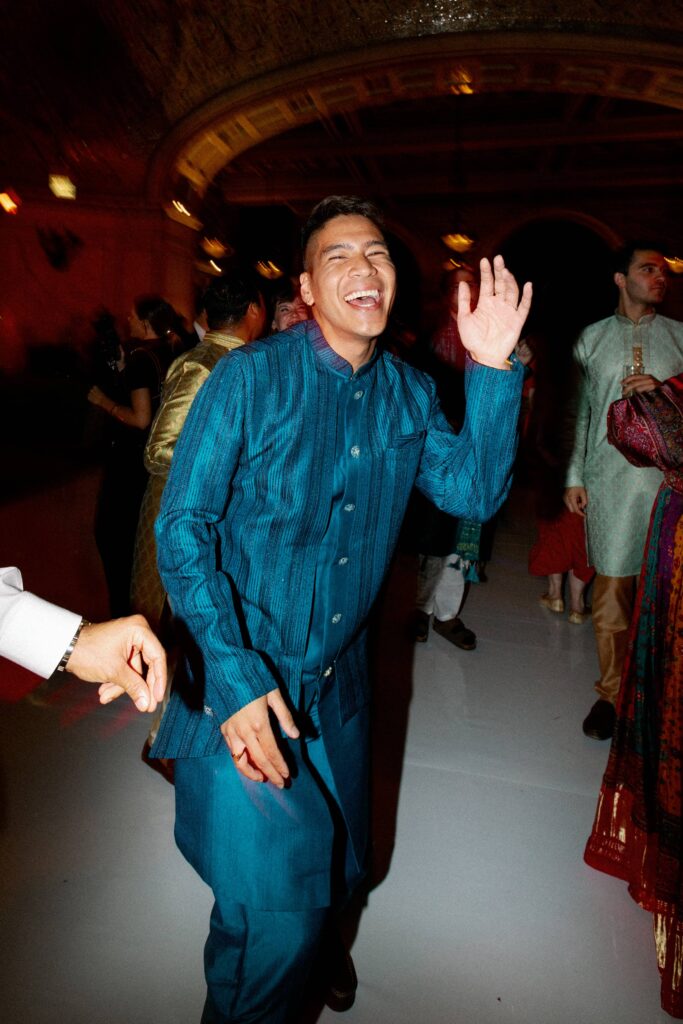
x: 153, y: 326
x: 288, y: 306
x: 638, y: 830
x: 236, y: 314
x: 634, y: 349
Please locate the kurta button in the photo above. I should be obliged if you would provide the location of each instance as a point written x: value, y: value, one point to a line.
x: 350, y: 507
x: 328, y: 672
x: 343, y: 560
x: 358, y: 394
x: 336, y: 618
x: 355, y: 451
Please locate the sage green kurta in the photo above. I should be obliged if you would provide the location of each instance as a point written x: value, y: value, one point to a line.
x: 620, y: 496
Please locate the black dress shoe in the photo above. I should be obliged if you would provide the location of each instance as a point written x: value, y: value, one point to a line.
x: 337, y: 972
x: 342, y: 984
x: 456, y: 632
x: 600, y: 721
x: 420, y: 627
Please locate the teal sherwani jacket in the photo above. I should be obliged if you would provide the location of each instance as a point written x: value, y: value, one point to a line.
x: 261, y: 489
x: 248, y: 500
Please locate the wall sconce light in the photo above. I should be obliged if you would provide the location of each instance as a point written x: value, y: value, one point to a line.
x: 181, y: 208
x: 10, y: 201
x: 215, y: 248
x: 269, y: 270
x: 457, y: 242
x: 62, y: 186
x: 460, y: 82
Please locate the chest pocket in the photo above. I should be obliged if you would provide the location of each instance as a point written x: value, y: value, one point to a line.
x: 406, y: 442
x: 402, y: 458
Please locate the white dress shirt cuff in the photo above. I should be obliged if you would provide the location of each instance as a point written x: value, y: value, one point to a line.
x: 33, y: 632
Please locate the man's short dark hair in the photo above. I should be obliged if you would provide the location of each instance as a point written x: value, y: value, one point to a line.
x: 227, y: 299
x: 158, y: 313
x: 338, y: 206
x: 623, y: 257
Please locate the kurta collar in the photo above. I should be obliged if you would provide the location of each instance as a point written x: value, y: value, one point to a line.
x: 222, y: 338
x: 330, y: 359
x: 647, y: 318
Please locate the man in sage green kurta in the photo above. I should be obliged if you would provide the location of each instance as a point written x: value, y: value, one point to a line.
x: 615, y: 497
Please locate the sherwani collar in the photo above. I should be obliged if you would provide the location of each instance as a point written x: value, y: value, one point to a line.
x: 646, y: 318
x: 330, y: 359
x: 223, y: 338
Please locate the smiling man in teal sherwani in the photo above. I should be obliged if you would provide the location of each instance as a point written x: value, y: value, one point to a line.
x: 282, y: 509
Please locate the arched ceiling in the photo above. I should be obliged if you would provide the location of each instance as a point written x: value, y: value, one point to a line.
x: 124, y: 94
x: 453, y: 65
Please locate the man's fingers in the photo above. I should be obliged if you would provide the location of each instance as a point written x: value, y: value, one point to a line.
x: 154, y: 656
x: 525, y: 302
x: 279, y: 708
x: 485, y: 277
x: 136, y: 688
x: 156, y: 679
x: 264, y: 754
x: 464, y: 298
x: 109, y: 692
x: 243, y: 765
x: 511, y: 288
x: 250, y: 738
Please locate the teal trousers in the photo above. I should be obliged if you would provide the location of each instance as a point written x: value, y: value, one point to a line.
x: 275, y: 859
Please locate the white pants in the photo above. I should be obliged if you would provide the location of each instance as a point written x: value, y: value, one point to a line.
x: 440, y: 585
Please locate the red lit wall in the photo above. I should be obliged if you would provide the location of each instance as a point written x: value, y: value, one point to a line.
x: 104, y: 257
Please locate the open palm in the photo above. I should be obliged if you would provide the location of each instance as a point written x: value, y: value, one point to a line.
x: 491, y: 330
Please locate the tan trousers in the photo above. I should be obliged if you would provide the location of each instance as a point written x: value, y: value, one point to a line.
x: 613, y: 600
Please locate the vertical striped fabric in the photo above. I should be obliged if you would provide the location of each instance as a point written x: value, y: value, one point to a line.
x: 248, y: 502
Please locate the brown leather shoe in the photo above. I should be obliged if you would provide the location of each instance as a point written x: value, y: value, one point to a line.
x: 600, y: 721
x: 456, y: 632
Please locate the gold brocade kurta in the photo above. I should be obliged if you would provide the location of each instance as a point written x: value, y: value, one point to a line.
x: 184, y: 379
x: 620, y: 495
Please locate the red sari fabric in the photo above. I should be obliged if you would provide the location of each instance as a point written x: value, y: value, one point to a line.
x: 561, y: 546
x: 638, y: 830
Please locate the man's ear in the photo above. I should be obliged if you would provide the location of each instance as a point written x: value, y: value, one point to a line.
x: 619, y: 280
x: 306, y: 293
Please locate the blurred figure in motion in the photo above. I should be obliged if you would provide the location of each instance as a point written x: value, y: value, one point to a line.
x: 153, y: 325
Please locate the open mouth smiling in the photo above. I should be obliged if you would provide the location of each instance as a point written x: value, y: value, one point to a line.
x: 365, y: 298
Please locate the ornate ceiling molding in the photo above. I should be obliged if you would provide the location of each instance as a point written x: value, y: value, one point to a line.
x: 217, y: 132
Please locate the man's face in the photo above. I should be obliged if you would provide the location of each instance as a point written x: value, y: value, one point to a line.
x: 350, y: 281
x: 289, y: 312
x: 646, y: 280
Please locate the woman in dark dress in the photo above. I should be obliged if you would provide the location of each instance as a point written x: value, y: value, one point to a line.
x: 153, y: 325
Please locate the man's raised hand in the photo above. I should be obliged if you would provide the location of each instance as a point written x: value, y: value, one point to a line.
x: 492, y: 329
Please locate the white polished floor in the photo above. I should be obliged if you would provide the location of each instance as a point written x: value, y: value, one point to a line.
x: 485, y: 912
